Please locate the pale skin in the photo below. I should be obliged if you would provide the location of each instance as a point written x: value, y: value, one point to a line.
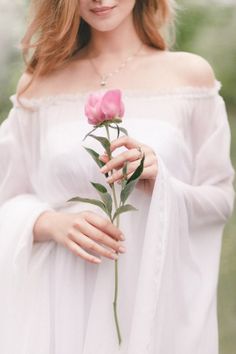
x: 87, y: 231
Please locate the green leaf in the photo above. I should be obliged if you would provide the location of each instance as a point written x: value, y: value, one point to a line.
x: 104, y: 141
x: 116, y: 127
x: 95, y: 156
x: 89, y: 201
x: 127, y: 191
x: 99, y: 187
x: 137, y: 172
x: 123, y: 130
x: 123, y: 209
x: 105, y: 196
x: 123, y: 183
x: 107, y: 200
x: 118, y: 131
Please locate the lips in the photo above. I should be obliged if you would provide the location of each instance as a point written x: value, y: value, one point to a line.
x: 102, y: 10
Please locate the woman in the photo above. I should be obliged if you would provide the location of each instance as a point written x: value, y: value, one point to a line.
x: 57, y: 268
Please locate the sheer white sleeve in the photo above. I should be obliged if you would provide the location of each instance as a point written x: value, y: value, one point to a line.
x: 177, y: 293
x: 19, y: 209
x: 209, y: 198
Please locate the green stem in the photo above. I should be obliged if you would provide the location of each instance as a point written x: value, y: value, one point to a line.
x: 115, y: 302
x: 116, y: 261
x: 108, y: 133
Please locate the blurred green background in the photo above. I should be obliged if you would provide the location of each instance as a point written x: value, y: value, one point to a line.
x: 207, y: 28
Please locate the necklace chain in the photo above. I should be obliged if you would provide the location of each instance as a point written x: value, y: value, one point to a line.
x: 105, y: 77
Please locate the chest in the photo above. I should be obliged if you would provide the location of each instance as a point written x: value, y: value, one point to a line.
x: 58, y: 159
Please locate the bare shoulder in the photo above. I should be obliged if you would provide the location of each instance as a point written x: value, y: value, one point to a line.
x: 61, y: 80
x: 33, y: 87
x: 194, y: 69
x: 175, y: 70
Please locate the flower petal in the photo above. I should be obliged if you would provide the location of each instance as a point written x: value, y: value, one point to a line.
x: 93, y: 110
x: 111, y: 104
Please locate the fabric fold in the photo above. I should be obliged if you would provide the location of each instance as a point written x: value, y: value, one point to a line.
x: 21, y: 271
x: 53, y: 302
x: 20, y: 258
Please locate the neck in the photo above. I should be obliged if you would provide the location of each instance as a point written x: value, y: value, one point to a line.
x: 119, y: 42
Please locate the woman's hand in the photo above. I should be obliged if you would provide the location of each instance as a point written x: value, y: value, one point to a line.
x: 132, y: 155
x: 80, y: 232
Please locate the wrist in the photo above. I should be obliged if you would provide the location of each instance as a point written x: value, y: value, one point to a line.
x: 42, y: 230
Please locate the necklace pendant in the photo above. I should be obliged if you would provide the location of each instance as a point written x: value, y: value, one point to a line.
x: 103, y: 83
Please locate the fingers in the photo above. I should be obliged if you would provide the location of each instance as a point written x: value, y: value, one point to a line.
x: 91, y: 246
x: 133, y: 157
x: 78, y: 233
x: 126, y: 141
x: 104, y: 225
x: 99, y: 236
x: 118, y: 161
x: 104, y: 157
x: 87, y: 233
x: 151, y: 172
x: 78, y: 251
x: 148, y: 170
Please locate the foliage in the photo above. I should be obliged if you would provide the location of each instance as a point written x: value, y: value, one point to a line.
x: 209, y: 31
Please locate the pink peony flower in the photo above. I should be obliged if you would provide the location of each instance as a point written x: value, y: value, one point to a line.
x: 104, y: 106
x: 93, y: 109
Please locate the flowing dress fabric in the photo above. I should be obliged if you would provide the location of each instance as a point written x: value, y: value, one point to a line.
x: 53, y: 302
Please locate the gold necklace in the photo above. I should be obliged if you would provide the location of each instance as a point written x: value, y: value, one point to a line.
x: 105, y: 77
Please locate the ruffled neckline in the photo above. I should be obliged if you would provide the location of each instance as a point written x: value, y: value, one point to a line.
x: 178, y: 92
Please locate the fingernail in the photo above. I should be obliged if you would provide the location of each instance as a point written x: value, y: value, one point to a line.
x: 115, y: 256
x: 122, y: 249
x: 103, y: 169
x: 122, y: 237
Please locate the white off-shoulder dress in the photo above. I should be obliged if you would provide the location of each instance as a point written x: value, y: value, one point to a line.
x: 53, y: 302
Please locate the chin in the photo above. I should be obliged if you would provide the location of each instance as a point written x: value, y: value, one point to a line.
x: 105, y: 26
x: 108, y: 18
